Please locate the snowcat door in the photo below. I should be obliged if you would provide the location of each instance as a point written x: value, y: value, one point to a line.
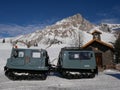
x: 35, y: 59
x: 18, y: 57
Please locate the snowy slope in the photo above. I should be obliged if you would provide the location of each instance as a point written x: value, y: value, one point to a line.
x: 63, y: 31
x: 67, y: 31
x: 109, y: 27
x: 113, y: 26
x: 105, y: 36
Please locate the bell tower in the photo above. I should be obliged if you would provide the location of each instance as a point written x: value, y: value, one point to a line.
x: 96, y: 35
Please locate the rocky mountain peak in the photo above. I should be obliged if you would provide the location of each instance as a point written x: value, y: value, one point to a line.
x: 76, y: 17
x: 75, y: 21
x: 62, y: 31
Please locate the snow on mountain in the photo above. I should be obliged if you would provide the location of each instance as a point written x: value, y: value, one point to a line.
x: 109, y: 27
x: 114, y: 26
x: 67, y: 31
x: 63, y: 29
x: 106, y: 36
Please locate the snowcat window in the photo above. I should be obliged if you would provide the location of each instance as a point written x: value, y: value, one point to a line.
x: 80, y: 55
x: 85, y: 55
x: 15, y: 54
x: 36, y: 55
x: 18, y: 54
x: 21, y: 54
x: 74, y: 56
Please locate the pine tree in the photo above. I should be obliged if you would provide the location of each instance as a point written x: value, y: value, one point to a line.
x: 117, y: 49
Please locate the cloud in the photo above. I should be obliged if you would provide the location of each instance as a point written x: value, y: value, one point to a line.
x: 102, y: 14
x: 107, y: 20
x: 11, y: 30
x: 14, y: 30
x: 108, y: 16
x: 110, y: 20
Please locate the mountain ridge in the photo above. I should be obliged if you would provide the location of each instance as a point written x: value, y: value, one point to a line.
x: 63, y: 28
x: 66, y: 31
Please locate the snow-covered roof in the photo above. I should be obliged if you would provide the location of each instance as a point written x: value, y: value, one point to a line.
x: 106, y: 37
x: 98, y: 41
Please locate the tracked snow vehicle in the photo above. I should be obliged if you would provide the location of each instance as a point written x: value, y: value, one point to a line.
x: 77, y: 63
x: 27, y: 64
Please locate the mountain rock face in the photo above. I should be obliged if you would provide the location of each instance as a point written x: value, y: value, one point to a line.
x: 73, y: 30
x: 75, y: 21
x: 61, y: 32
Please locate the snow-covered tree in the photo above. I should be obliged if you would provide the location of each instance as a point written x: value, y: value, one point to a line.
x: 117, y: 49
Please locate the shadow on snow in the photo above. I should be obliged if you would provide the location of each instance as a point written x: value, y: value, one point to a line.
x: 117, y: 75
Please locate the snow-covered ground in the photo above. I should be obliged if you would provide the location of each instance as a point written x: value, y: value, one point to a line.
x: 107, y: 80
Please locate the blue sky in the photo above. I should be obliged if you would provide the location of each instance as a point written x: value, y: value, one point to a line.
x: 26, y: 16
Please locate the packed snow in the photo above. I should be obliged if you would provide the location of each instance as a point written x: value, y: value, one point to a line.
x: 107, y: 80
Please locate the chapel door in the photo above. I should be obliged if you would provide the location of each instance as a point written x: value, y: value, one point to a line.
x: 99, y: 59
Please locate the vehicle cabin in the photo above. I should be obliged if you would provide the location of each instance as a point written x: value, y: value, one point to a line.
x: 33, y: 62
x: 79, y: 61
